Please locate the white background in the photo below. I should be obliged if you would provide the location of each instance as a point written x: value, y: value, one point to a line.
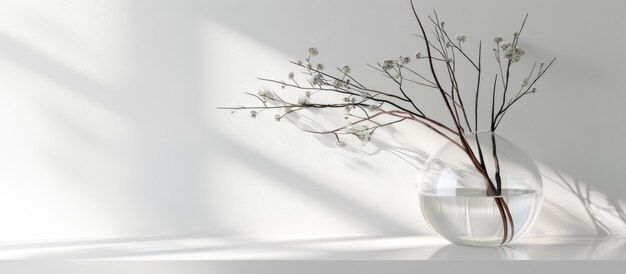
x: 109, y: 126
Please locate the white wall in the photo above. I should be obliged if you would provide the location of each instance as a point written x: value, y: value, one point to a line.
x: 109, y: 126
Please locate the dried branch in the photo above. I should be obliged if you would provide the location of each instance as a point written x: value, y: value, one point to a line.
x: 399, y: 105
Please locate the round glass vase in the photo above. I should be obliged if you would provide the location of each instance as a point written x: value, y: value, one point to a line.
x: 466, y: 208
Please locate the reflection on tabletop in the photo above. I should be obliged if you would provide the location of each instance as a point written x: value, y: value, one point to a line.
x: 314, y: 248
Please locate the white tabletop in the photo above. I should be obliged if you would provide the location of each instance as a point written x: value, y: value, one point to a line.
x: 313, y: 248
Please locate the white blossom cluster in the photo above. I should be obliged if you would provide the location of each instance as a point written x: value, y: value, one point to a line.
x: 525, y: 82
x: 512, y: 53
x: 461, y: 38
x: 360, y: 131
x: 340, y: 83
x: 346, y: 69
x: 340, y: 143
x: 404, y: 60
x: 303, y: 100
x: 349, y: 99
x: 388, y: 64
x: 316, y: 80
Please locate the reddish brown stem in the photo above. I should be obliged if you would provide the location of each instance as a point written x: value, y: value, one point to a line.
x: 502, y: 206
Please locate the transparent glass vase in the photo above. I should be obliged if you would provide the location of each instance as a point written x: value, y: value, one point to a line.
x: 466, y: 208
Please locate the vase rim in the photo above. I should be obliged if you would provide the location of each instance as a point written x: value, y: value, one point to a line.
x: 479, y: 131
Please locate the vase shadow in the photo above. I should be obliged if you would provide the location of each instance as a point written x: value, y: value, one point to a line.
x: 576, y: 208
x: 459, y: 252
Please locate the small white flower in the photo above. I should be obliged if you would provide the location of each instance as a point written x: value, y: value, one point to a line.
x: 338, y: 83
x: 498, y: 39
x: 287, y: 109
x: 513, y: 54
x: 307, y: 94
x: 277, y: 117
x: 291, y: 75
x: 346, y: 69
x: 404, y: 60
x: 388, y: 64
x: 505, y: 46
x: 516, y: 34
x: 347, y: 109
x: 267, y: 94
x: 313, y: 51
x: 309, y: 66
x: 461, y: 38
x: 364, y: 95
x: 340, y: 143
x: 360, y: 131
x: 253, y: 114
x: 448, y: 44
x: 533, y: 90
x: 372, y: 108
x: 316, y: 79
x: 525, y: 82
x: 443, y: 24
x: 320, y: 66
x: 418, y: 55
x: 364, y: 137
x: 508, y: 53
x: 303, y: 100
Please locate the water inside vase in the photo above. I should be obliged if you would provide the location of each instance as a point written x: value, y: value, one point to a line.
x: 470, y: 217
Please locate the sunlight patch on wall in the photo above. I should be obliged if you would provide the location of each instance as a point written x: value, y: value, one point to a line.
x: 89, y: 37
x: 63, y: 154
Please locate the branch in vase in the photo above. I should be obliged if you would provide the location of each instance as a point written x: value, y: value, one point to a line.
x: 529, y: 90
x: 450, y: 42
x: 513, y: 54
x: 399, y: 82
